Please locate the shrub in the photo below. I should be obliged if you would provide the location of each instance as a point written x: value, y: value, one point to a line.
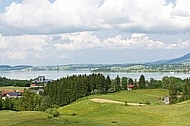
x: 147, y: 102
x: 126, y: 104
x: 111, y: 90
x: 49, y: 116
x: 114, y: 121
x: 53, y: 112
x: 74, y: 114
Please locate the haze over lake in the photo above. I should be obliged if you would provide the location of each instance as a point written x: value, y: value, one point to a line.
x: 59, y: 74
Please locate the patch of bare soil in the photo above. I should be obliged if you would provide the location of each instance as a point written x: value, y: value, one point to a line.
x: 112, y: 101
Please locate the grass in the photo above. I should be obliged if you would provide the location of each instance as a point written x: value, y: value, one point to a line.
x: 85, y: 112
x: 12, y: 88
x: 29, y: 118
x: 136, y: 96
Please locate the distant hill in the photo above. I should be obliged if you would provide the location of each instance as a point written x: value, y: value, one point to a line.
x: 18, y: 67
x: 180, y: 60
x: 178, y: 64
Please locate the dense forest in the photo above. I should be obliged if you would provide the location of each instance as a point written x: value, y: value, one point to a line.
x: 69, y: 89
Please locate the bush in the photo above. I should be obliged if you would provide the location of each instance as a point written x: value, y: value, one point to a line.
x: 49, y: 116
x: 53, y: 112
x: 114, y: 121
x: 126, y: 104
x: 111, y: 90
x: 147, y: 102
x: 74, y: 114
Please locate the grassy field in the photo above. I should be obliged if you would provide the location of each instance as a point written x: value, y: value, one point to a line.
x: 136, y: 96
x: 85, y: 112
x: 12, y: 88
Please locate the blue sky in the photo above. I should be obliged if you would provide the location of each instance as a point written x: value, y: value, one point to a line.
x: 53, y: 32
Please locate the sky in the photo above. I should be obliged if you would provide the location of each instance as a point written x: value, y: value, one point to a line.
x: 56, y: 32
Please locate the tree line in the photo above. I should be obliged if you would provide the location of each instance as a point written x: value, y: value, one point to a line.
x: 14, y: 82
x: 69, y: 89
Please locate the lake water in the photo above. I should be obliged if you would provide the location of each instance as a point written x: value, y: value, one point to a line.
x: 27, y: 75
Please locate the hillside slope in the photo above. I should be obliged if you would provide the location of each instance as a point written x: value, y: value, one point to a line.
x: 180, y: 60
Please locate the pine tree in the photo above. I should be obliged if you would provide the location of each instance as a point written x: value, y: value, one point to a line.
x: 186, y: 90
x: 117, y: 83
x: 124, y: 83
x: 142, y: 82
x: 1, y: 104
x: 107, y: 83
x: 173, y: 91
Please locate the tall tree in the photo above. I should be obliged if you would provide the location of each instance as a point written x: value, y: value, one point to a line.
x: 165, y: 82
x: 117, y: 83
x: 108, y: 83
x: 124, y: 82
x: 173, y: 90
x: 130, y: 81
x: 142, y: 82
x: 136, y: 85
x: 186, y: 90
x: 1, y: 104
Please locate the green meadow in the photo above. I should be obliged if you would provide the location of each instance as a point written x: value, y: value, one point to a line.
x: 12, y: 88
x: 85, y: 112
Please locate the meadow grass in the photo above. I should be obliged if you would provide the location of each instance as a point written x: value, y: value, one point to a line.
x: 84, y: 112
x: 136, y: 96
x: 12, y: 88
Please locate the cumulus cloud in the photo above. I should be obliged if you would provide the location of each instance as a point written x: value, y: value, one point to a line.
x: 62, y: 16
x: 19, y: 47
x: 57, y: 47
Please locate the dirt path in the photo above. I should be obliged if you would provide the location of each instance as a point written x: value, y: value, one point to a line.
x: 112, y: 101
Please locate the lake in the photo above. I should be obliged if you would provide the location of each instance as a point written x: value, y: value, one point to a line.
x: 27, y: 75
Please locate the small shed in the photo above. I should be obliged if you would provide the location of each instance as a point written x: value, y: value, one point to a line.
x: 167, y: 100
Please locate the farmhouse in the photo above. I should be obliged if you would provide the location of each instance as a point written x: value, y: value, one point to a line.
x: 13, y: 95
x: 10, y: 94
x: 37, y: 91
x: 36, y: 85
x: 4, y: 92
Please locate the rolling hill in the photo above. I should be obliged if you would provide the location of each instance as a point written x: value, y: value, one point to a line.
x: 180, y: 60
x: 85, y: 112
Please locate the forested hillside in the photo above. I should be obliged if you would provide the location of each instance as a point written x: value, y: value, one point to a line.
x: 69, y: 89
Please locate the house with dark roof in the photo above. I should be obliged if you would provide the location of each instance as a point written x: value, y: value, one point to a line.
x: 37, y: 91
x: 11, y: 95
x: 4, y: 92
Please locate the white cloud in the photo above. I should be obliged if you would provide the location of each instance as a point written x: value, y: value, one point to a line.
x: 62, y: 16
x: 78, y: 40
x: 14, y: 54
x: 19, y: 47
x: 52, y: 48
x: 86, y: 40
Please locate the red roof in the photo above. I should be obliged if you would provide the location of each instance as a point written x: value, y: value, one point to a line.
x: 4, y: 92
x: 130, y: 86
x: 36, y: 85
